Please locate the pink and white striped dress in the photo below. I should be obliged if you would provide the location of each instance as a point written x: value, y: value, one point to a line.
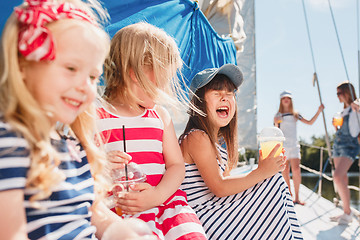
x: 174, y: 219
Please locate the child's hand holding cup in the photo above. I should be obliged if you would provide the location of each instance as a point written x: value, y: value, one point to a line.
x: 123, y: 184
x: 269, y: 137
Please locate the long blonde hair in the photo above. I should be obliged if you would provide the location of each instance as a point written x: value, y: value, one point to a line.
x: 138, y: 47
x: 28, y: 119
x: 291, y: 107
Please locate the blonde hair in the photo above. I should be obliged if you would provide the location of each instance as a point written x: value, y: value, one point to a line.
x: 28, y: 119
x: 291, y: 107
x: 138, y: 47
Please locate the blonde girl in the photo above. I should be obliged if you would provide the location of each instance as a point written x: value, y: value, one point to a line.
x: 49, y: 76
x: 345, y: 148
x: 286, y: 120
x: 251, y: 206
x: 140, y: 74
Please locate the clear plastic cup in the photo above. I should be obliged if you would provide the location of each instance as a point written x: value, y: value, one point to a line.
x: 121, y: 185
x: 337, y: 120
x: 269, y: 137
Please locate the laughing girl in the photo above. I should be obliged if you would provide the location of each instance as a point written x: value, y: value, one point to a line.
x: 252, y: 206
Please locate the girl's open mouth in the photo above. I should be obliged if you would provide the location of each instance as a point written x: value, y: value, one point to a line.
x: 222, y: 112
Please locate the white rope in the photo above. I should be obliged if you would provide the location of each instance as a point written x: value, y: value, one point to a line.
x: 351, y: 187
x: 316, y: 172
x: 313, y: 146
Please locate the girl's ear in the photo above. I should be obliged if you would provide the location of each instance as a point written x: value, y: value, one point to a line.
x: 132, y: 75
x: 22, y: 66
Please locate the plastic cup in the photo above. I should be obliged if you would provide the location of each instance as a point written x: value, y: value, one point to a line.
x: 269, y: 137
x: 121, y: 185
x: 279, y: 117
x: 337, y: 120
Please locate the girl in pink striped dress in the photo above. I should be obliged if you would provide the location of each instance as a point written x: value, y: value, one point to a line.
x: 139, y: 72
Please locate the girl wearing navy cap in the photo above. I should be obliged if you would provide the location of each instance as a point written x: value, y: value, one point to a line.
x: 252, y: 206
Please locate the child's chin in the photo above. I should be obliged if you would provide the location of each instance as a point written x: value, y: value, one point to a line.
x: 68, y: 120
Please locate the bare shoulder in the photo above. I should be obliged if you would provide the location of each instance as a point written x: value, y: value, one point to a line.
x: 163, y: 114
x: 196, y: 147
x: 197, y: 140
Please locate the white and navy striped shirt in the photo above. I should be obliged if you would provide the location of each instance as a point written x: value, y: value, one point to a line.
x: 66, y: 213
x: 265, y: 211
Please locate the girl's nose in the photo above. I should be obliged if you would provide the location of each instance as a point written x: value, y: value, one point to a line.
x: 84, y: 84
x: 224, y: 97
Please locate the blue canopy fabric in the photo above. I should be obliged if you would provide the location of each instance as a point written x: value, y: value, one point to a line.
x: 199, y: 44
x: 6, y: 8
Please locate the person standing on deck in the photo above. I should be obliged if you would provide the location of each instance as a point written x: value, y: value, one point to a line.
x: 345, y: 148
x: 286, y: 119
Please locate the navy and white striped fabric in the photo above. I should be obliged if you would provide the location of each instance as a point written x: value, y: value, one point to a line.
x: 265, y: 211
x: 67, y: 215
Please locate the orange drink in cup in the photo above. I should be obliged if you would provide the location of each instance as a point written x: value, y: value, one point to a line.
x: 269, y: 137
x: 279, y: 118
x: 121, y: 185
x: 118, y: 189
x: 337, y: 120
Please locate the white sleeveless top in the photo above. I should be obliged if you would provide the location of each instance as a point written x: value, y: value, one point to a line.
x: 288, y: 127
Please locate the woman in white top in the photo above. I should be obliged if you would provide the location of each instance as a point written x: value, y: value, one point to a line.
x: 345, y: 147
x: 286, y: 119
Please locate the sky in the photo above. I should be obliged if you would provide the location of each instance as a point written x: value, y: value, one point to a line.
x: 284, y: 61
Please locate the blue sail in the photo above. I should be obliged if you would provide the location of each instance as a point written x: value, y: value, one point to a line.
x: 199, y: 44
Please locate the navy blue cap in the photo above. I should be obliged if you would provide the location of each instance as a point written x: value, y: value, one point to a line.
x: 202, y: 78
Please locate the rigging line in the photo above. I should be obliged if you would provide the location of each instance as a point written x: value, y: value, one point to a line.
x: 315, y: 80
x: 338, y: 39
x: 308, y: 33
x: 343, y: 59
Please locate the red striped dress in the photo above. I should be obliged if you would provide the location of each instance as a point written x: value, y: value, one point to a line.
x: 174, y: 219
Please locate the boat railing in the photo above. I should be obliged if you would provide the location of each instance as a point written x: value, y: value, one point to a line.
x: 320, y: 172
